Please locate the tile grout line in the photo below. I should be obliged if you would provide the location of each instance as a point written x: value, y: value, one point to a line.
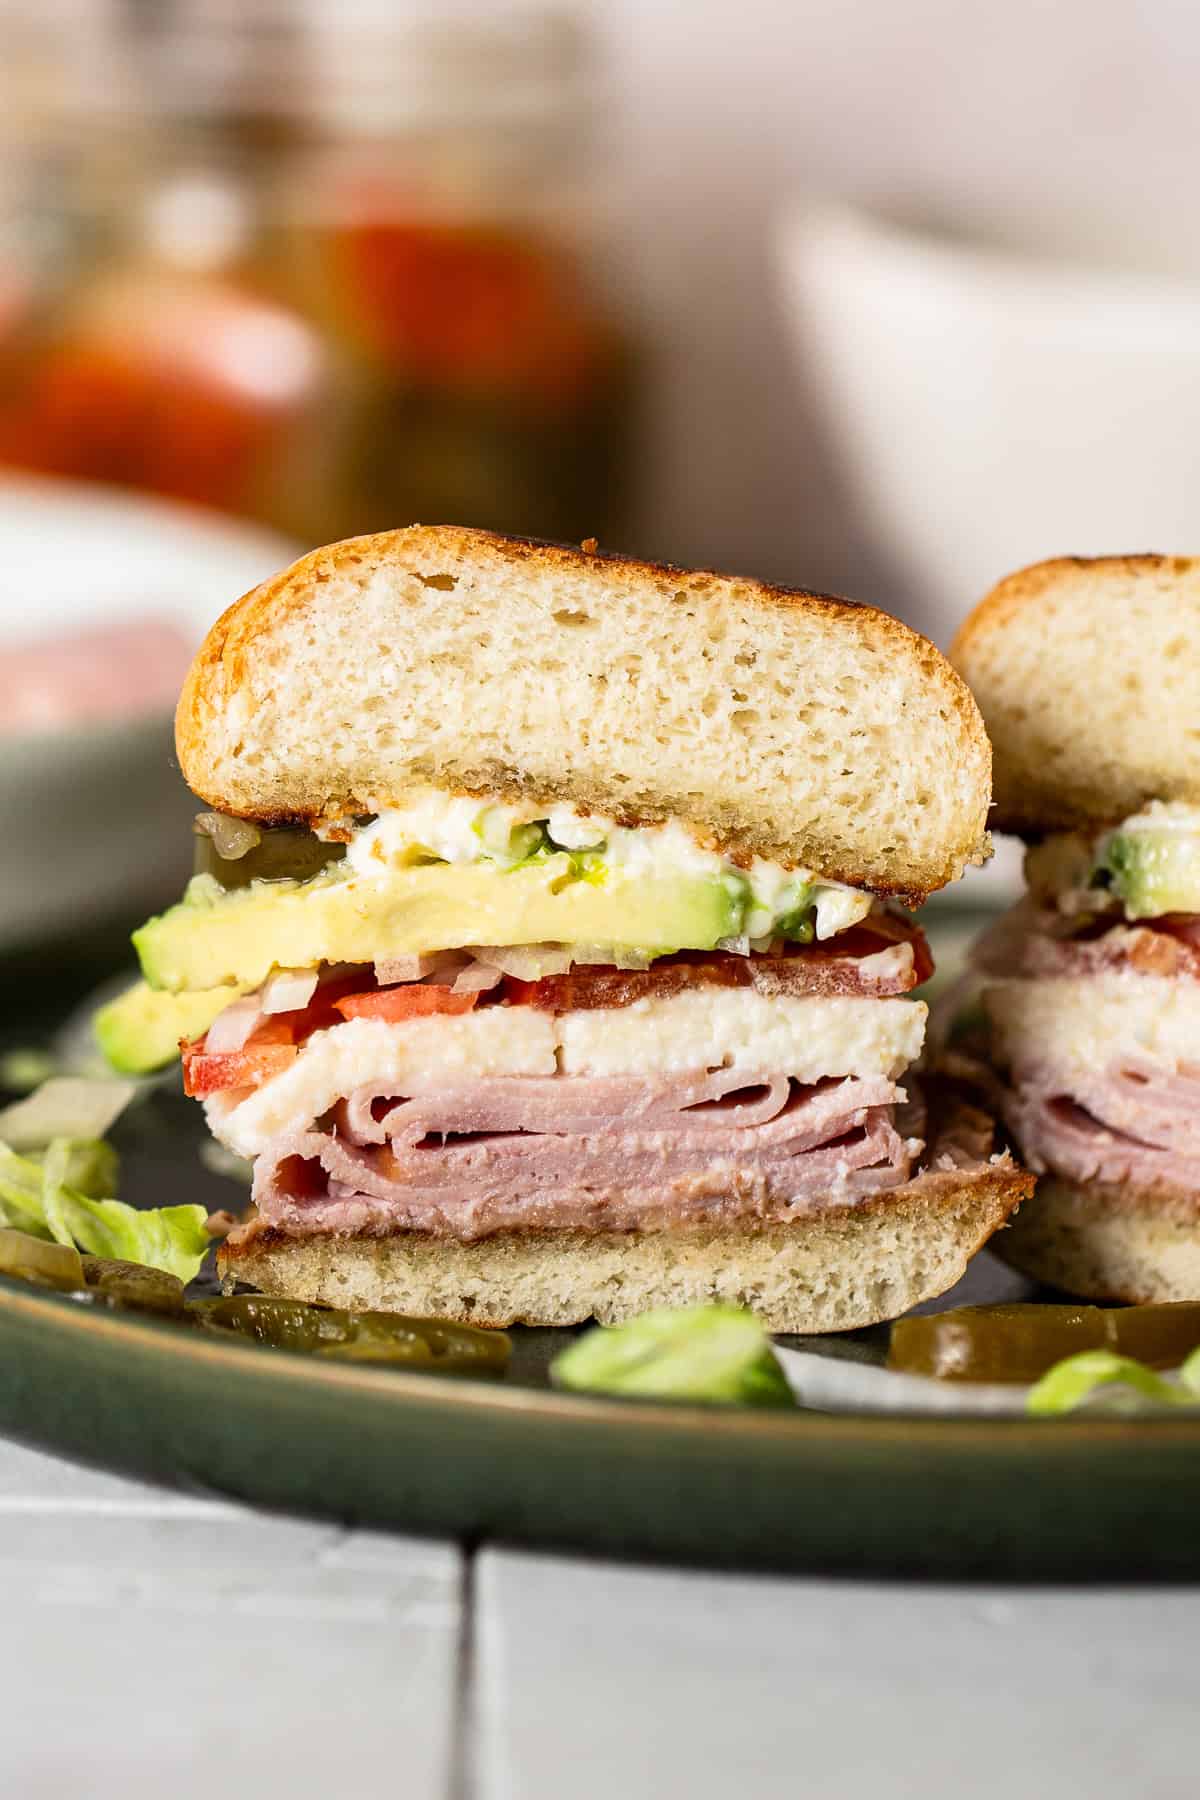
x: 460, y: 1784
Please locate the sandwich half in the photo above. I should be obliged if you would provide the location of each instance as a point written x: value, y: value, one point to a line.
x: 545, y: 956
x: 1085, y: 1000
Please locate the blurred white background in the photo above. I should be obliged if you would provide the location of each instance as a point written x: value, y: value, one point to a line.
x: 1065, y: 128
x: 1058, y: 129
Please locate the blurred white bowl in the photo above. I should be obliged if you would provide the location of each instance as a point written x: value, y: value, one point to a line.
x: 991, y: 411
x: 94, y: 818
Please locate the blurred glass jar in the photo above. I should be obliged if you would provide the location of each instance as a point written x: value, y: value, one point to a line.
x: 334, y: 277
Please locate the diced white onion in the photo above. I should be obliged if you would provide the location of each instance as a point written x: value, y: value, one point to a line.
x: 476, y: 978
x: 232, y: 838
x: 534, y: 962
x: 447, y: 963
x: 392, y: 970
x: 527, y: 962
x: 738, y: 946
x: 230, y: 1029
x: 288, y: 990
x: 608, y: 956
x: 896, y: 960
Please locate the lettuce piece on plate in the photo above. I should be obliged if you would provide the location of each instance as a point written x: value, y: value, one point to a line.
x: 1070, y: 1384
x: 708, y: 1353
x: 22, y: 1070
x: 92, y: 1166
x: 67, y: 1106
x: 36, y: 1196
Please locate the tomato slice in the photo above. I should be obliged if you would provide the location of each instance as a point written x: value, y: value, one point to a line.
x: 1185, y: 927
x: 275, y: 1028
x: 208, y: 1074
x: 414, y: 1000
x: 825, y: 968
x: 878, y: 931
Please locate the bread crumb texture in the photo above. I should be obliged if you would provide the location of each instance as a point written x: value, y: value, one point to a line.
x: 774, y: 722
x: 1087, y: 672
x: 1108, y: 1243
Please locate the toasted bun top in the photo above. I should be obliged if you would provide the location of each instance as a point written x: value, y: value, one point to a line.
x: 772, y: 721
x: 1087, y: 671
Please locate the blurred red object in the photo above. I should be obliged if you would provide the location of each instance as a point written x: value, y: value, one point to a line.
x: 474, y: 307
x: 181, y: 389
x: 330, y: 276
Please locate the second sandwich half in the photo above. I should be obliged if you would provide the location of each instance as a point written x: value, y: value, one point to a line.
x: 545, y: 956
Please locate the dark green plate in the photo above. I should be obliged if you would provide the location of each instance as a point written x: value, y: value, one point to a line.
x: 1098, y: 1497
x: 514, y: 1460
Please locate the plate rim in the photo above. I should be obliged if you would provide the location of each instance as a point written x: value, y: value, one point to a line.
x: 467, y: 1395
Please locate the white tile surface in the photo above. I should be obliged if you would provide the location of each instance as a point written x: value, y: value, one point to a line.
x: 154, y: 1645
x: 31, y: 1482
x: 600, y: 1680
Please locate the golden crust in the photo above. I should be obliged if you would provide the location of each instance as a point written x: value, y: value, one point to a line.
x: 221, y: 668
x: 1105, y: 1242
x: 1022, y: 806
x: 1026, y: 585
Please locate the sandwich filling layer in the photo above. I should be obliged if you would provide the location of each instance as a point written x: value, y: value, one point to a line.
x: 1088, y: 1005
x: 452, y: 871
x: 707, y: 1028
x: 591, y: 1152
x: 462, y: 1017
x: 713, y: 1102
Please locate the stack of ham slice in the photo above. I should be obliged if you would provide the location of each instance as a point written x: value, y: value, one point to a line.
x: 1034, y: 941
x: 475, y: 1154
x: 615, y: 1152
x: 1111, y: 1112
x: 1135, y: 1123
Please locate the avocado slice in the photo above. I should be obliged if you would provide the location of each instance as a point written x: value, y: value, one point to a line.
x: 1152, y: 871
x: 213, y: 938
x: 140, y: 1030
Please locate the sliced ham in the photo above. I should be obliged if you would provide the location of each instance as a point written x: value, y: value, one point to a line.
x: 568, y: 1153
x: 1134, y: 1120
x: 1134, y: 1123
x: 575, y: 1105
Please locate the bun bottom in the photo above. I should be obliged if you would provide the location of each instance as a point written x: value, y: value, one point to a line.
x: 1108, y: 1243
x: 831, y: 1271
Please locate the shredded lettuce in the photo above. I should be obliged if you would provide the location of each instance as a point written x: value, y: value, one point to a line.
x: 23, y: 1070
x: 709, y: 1353
x: 67, y: 1106
x: 1071, y: 1383
x: 92, y: 1166
x: 36, y: 1195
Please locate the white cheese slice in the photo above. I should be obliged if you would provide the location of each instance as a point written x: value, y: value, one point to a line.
x: 510, y: 1040
x: 706, y: 1028
x: 1084, y: 1022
